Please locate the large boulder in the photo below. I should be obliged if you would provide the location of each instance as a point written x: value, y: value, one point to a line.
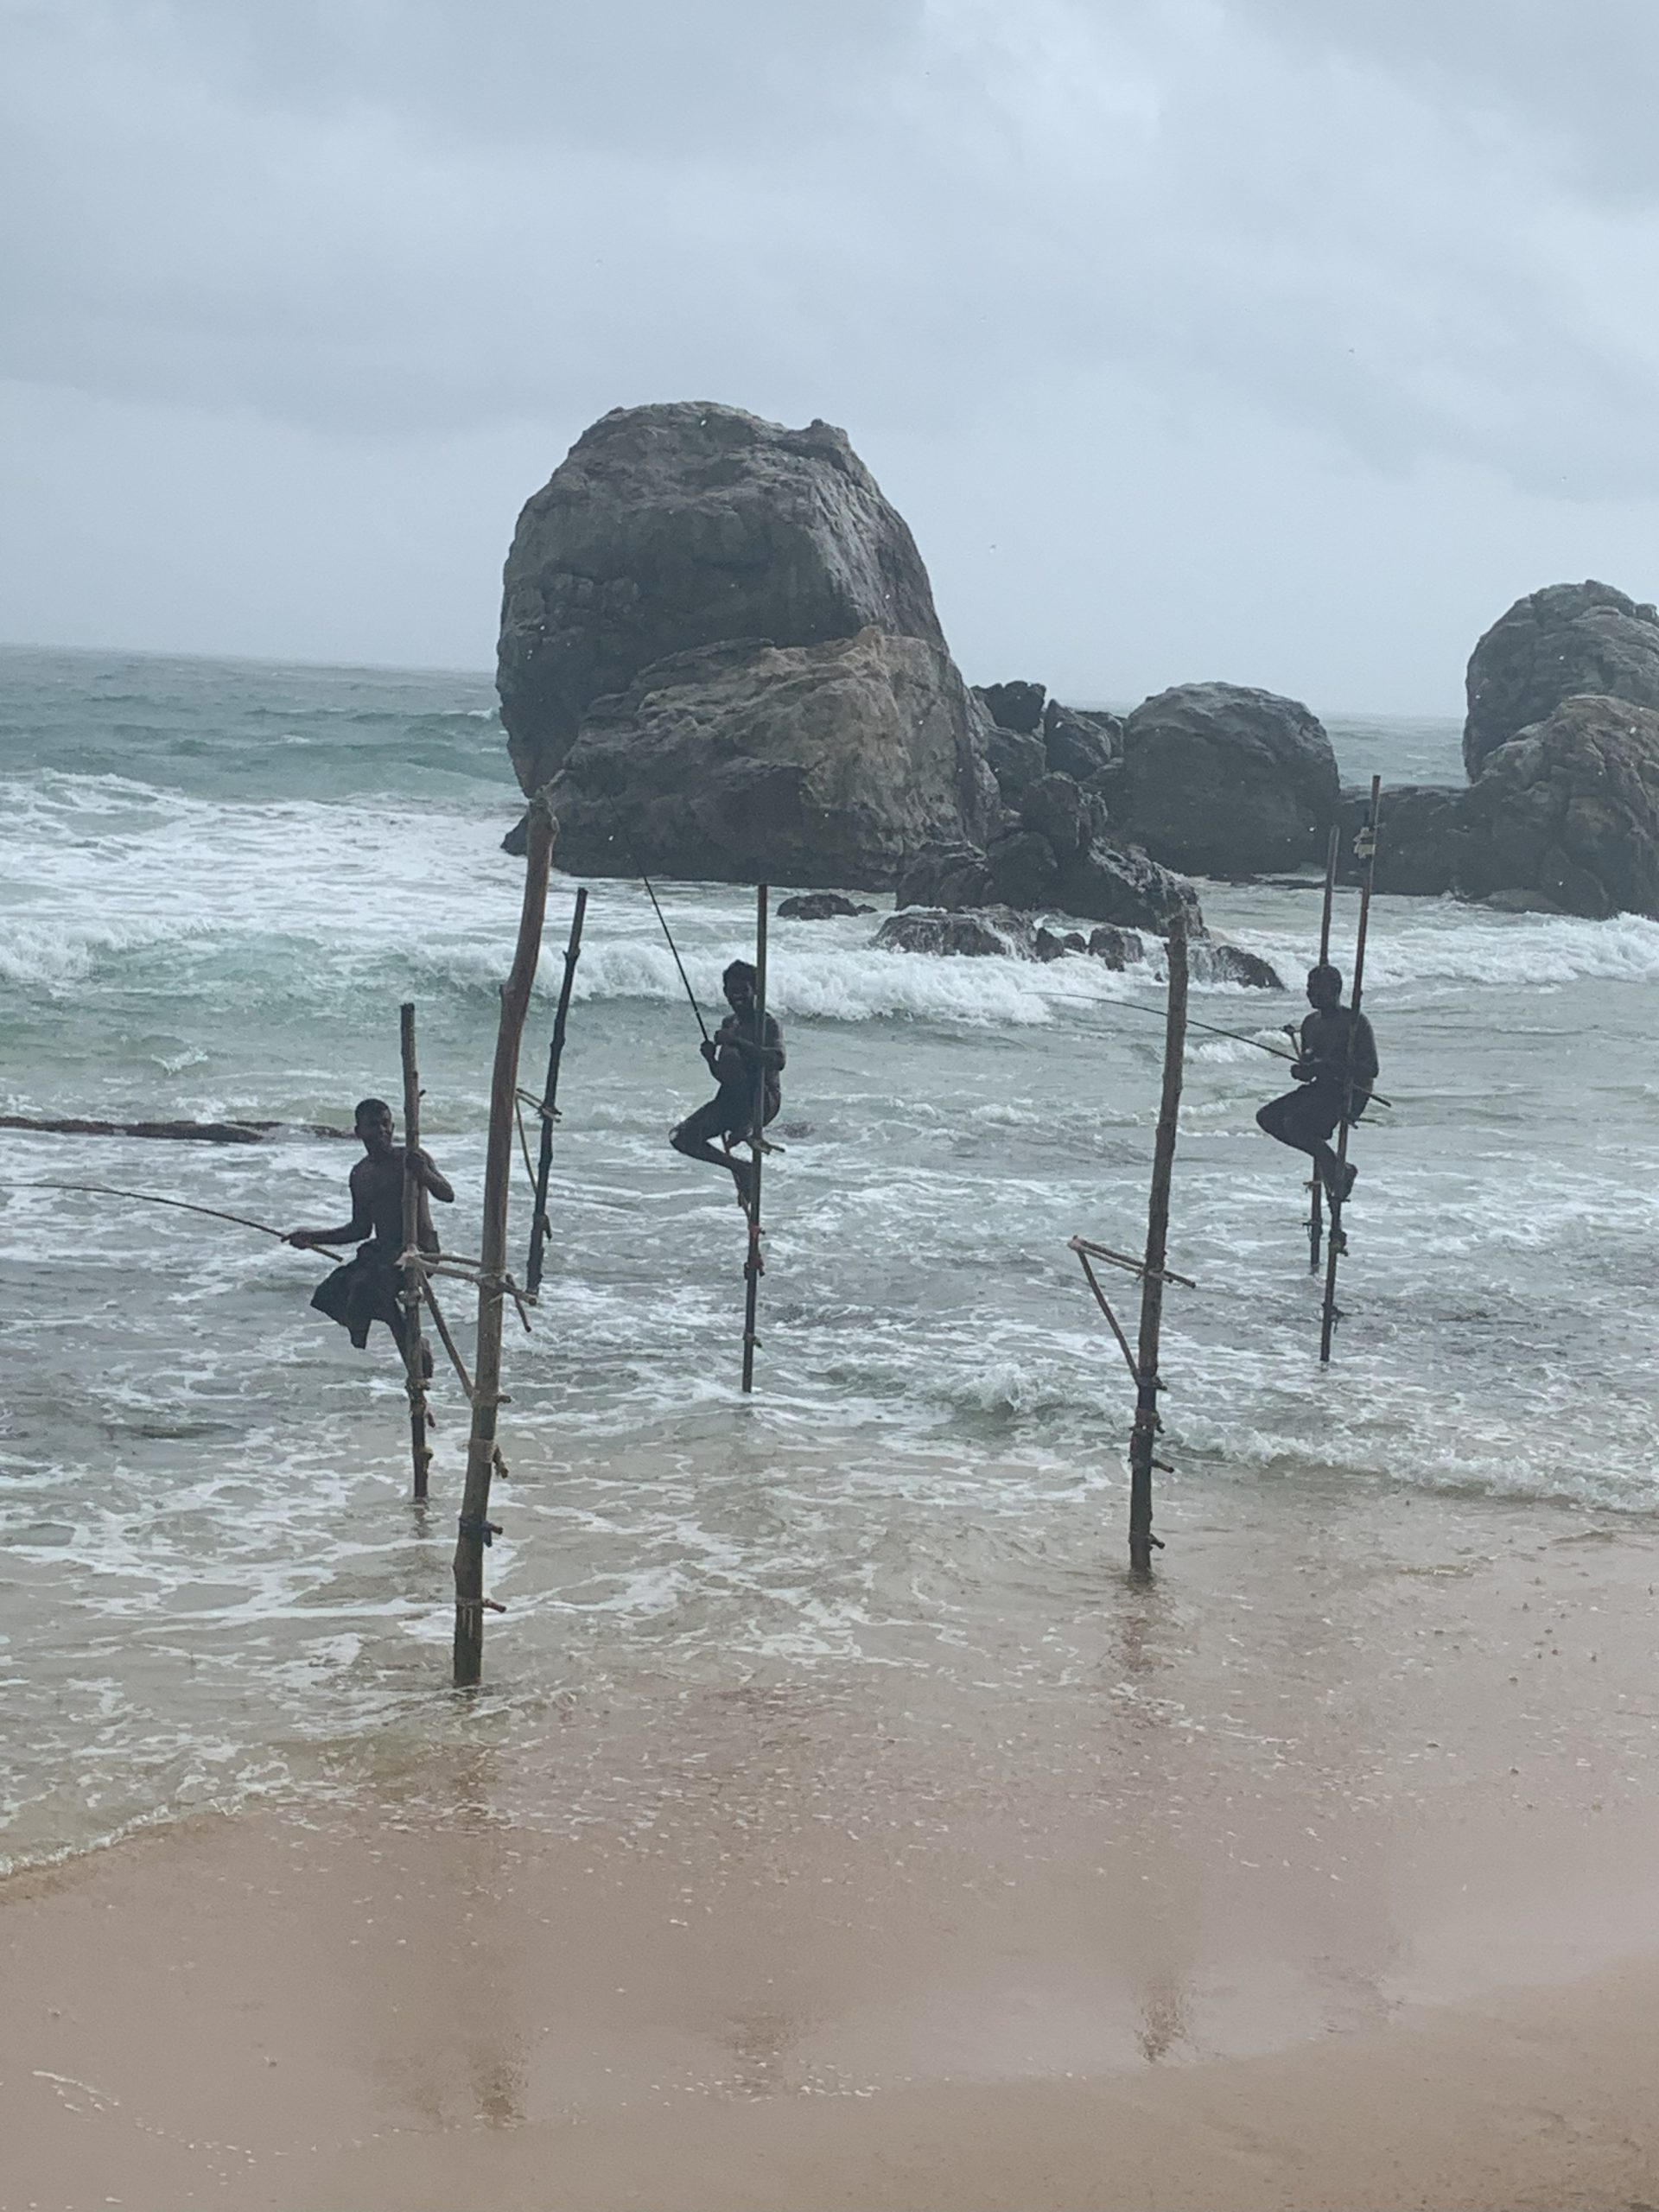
x: 1227, y: 781
x: 1079, y: 744
x: 1016, y: 706
x: 1560, y: 643
x: 1421, y: 837
x: 1566, y: 816
x: 808, y: 764
x: 668, y: 528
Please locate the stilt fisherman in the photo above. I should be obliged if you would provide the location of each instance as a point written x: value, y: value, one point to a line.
x: 1336, y: 1073
x: 735, y: 1054
x: 369, y: 1288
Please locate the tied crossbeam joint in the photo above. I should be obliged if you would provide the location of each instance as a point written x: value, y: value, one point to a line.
x: 477, y: 1530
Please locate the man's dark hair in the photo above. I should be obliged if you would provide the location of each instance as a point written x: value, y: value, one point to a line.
x: 1323, y: 972
x: 740, y: 971
x: 366, y: 1108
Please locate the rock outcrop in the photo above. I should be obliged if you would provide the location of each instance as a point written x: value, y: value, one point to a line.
x: 819, y: 907
x: 987, y: 932
x: 820, y: 763
x: 1420, y: 850
x: 1566, y: 641
x: 1096, y: 881
x: 719, y: 640
x: 1566, y: 816
x: 1226, y: 781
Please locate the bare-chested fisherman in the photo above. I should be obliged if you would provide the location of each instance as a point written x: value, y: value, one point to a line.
x: 733, y: 1053
x: 369, y: 1288
x: 1305, y: 1118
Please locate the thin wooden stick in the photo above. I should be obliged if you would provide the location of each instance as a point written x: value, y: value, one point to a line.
x: 540, y: 1228
x: 1143, y: 1436
x: 476, y: 1528
x: 1315, y: 1188
x: 1337, y: 1243
x: 414, y: 1366
x: 751, y: 1266
x: 1083, y: 1251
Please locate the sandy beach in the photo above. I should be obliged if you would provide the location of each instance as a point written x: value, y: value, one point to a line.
x: 1334, y: 1883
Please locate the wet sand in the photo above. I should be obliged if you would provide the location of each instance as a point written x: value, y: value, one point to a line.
x: 1333, y: 1878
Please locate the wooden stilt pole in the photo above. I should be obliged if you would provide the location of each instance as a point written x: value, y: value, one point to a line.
x: 1143, y: 1436
x: 414, y: 1364
x: 1315, y: 1188
x: 752, y: 1266
x: 540, y: 1228
x: 476, y: 1528
x: 1365, y: 850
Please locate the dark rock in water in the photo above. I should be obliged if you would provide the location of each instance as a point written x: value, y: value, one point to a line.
x: 819, y: 907
x: 1081, y: 745
x: 1420, y: 841
x: 994, y: 931
x: 1075, y: 941
x: 672, y: 527
x: 1023, y: 870
x: 1051, y: 946
x: 1118, y: 948
x: 1519, y: 902
x: 517, y: 840
x: 1567, y: 812
x: 820, y: 763
x: 1017, y: 707
x: 1016, y: 761
x: 1058, y: 809
x: 1104, y: 884
x: 1231, y: 963
x: 1226, y: 781
x: 1563, y: 642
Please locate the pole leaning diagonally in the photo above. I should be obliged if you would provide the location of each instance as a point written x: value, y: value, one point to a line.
x: 751, y: 1266
x: 476, y: 1528
x: 1337, y: 1243
x: 414, y: 1362
x: 1143, y: 1436
x: 540, y: 1227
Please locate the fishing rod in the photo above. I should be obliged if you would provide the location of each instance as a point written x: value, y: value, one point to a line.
x: 639, y: 869
x: 185, y: 1205
x: 1155, y: 1013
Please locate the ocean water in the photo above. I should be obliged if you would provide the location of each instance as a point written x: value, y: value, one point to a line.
x: 218, y: 882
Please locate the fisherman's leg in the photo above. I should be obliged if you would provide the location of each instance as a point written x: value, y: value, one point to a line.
x: 1286, y: 1119
x: 695, y: 1139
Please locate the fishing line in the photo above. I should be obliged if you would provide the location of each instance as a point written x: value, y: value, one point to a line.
x: 185, y: 1205
x: 633, y: 853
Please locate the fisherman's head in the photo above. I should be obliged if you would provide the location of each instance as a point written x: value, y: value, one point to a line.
x: 1325, y: 987
x: 372, y: 1122
x: 739, y: 983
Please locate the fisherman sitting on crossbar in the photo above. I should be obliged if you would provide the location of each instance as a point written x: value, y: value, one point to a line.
x: 370, y: 1287
x: 1338, y: 1068
x: 733, y: 1053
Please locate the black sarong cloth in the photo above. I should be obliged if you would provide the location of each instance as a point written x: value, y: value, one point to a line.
x: 367, y: 1289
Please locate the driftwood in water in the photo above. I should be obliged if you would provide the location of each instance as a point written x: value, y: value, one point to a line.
x: 475, y: 1526
x: 187, y: 1132
x: 414, y: 1364
x: 1143, y: 1436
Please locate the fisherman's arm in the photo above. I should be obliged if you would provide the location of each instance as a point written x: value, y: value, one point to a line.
x: 431, y: 1180
x: 356, y: 1230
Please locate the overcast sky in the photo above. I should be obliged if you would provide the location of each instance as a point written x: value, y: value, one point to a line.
x: 1280, y: 340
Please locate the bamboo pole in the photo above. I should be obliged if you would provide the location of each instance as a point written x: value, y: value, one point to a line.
x: 1143, y: 1436
x: 751, y: 1266
x: 475, y: 1528
x: 1337, y: 1243
x: 1315, y: 1188
x: 414, y: 1366
x: 540, y: 1228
